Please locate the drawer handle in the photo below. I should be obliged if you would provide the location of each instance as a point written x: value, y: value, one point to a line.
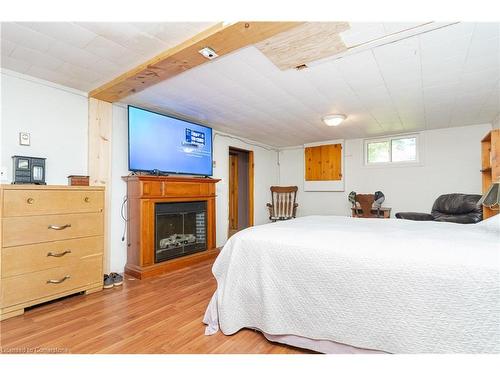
x: 58, y: 255
x: 59, y: 227
x: 58, y: 281
x: 86, y: 199
x: 30, y: 200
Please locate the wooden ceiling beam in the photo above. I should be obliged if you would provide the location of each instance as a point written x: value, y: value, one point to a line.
x: 222, y: 39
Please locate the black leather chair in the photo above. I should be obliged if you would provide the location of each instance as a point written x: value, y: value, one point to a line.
x: 454, y: 208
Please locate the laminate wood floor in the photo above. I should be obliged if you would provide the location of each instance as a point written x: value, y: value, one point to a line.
x: 162, y: 314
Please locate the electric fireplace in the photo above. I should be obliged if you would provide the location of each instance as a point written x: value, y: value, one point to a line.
x: 180, y: 229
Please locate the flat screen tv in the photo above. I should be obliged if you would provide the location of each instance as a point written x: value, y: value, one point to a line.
x: 166, y: 144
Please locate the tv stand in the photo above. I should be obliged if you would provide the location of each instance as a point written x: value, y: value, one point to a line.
x: 143, y: 193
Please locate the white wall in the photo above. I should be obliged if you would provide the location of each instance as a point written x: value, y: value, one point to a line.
x: 451, y: 165
x: 119, y: 154
x: 55, y: 116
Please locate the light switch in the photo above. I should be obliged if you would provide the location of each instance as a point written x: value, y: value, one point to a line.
x: 24, y: 139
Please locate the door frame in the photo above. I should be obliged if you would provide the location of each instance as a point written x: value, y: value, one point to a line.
x: 233, y: 193
x: 251, y: 173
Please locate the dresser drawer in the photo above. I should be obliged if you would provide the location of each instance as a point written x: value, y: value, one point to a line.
x: 35, y: 229
x: 18, y: 260
x: 41, y: 284
x: 42, y: 202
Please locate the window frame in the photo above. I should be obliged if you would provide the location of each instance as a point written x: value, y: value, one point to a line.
x: 391, y: 163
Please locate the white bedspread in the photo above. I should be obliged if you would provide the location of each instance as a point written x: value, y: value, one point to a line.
x: 392, y: 285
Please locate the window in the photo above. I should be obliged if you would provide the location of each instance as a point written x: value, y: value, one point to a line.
x: 400, y: 149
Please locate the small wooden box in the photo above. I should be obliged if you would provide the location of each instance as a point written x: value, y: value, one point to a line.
x: 78, y: 180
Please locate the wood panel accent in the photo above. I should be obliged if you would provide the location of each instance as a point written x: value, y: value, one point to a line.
x: 305, y: 43
x: 323, y: 163
x: 223, y: 39
x: 161, y: 314
x: 490, y: 165
x: 141, y: 215
x: 99, y: 159
x: 233, y: 191
x: 100, y: 132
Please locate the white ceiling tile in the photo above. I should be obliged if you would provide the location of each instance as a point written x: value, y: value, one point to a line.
x: 486, y: 30
x: 56, y: 77
x: 392, y: 53
x: 67, y: 32
x: 439, y: 96
x: 73, y: 55
x: 482, y: 62
x: 441, y: 71
x: 360, y: 70
x: 7, y: 47
x: 439, y: 118
x: 20, y: 66
x: 145, y: 44
x: 110, y: 50
x: 395, y: 27
x: 41, y: 59
x: 25, y: 37
x: 172, y: 32
x: 362, y: 32
x: 448, y: 42
x: 406, y: 75
x: 479, y: 47
x: 118, y: 32
x: 79, y: 73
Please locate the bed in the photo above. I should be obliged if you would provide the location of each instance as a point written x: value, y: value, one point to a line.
x: 343, y: 285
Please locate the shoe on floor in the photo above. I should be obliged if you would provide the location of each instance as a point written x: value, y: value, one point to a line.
x: 108, y: 281
x: 117, y: 278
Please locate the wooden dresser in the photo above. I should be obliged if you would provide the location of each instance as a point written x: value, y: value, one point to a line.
x: 51, y: 244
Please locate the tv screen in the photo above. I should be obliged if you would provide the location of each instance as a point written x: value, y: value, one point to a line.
x: 167, y: 144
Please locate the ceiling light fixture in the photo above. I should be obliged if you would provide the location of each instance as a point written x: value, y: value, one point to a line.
x: 334, y: 120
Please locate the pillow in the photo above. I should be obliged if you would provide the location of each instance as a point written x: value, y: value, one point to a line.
x: 491, y: 224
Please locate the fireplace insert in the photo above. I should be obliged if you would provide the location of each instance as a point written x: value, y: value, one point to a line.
x: 180, y: 229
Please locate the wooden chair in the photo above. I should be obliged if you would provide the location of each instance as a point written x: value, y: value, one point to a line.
x: 282, y: 206
x: 366, y: 203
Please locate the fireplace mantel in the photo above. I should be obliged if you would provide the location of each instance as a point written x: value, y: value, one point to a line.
x: 143, y: 192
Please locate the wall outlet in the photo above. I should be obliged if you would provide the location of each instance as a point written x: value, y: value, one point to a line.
x: 24, y: 139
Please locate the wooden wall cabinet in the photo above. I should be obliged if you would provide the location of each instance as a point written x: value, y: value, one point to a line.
x: 143, y: 192
x: 323, y: 163
x: 51, y: 244
x: 490, y: 164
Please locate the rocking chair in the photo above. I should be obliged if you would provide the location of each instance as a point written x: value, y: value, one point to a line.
x: 283, y: 206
